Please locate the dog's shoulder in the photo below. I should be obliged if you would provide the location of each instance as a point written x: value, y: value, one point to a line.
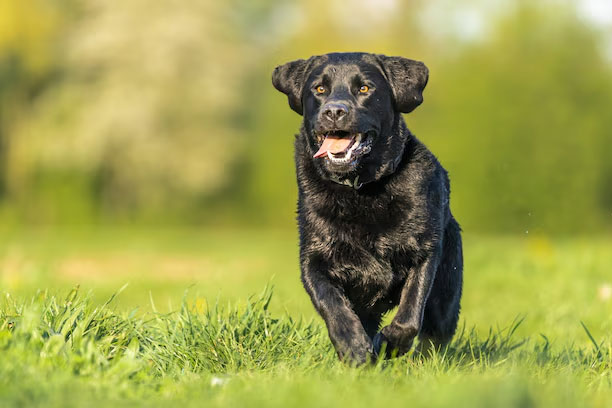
x: 418, y: 171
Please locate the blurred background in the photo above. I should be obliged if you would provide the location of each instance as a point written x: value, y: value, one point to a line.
x: 164, y: 112
x: 144, y: 140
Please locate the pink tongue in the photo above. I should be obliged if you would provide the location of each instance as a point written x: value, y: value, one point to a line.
x: 333, y: 145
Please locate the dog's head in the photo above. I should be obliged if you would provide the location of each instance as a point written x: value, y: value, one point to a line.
x: 352, y: 105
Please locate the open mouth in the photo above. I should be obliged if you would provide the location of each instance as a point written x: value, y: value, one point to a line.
x: 341, y: 147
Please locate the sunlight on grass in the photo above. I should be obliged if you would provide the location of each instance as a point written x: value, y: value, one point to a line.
x: 71, y: 341
x: 187, y: 329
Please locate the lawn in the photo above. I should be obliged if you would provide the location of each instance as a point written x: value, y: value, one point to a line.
x: 196, y: 326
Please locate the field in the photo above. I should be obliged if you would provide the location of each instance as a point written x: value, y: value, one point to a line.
x: 219, y: 318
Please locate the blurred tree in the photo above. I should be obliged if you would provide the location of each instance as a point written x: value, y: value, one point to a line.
x: 29, y: 32
x: 525, y: 114
x: 145, y: 109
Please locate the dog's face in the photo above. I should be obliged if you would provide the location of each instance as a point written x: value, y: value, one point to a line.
x: 351, y: 103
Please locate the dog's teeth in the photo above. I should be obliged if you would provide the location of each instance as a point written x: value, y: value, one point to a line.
x: 329, y: 156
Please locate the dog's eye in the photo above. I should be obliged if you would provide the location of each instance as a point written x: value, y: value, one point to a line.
x: 364, y: 89
x: 320, y: 89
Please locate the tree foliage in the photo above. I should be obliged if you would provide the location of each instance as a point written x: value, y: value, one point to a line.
x: 164, y: 110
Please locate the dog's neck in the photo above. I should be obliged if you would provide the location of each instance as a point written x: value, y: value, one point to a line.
x: 357, y: 182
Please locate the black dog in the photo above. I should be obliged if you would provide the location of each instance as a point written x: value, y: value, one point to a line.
x: 375, y: 226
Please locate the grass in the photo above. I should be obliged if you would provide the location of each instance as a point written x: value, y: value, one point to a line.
x: 536, y: 324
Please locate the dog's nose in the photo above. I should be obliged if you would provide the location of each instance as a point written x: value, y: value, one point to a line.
x: 335, y: 111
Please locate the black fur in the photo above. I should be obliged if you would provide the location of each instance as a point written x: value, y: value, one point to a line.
x: 377, y: 232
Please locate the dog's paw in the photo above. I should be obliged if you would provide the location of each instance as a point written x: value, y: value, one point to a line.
x: 395, y: 341
x: 358, y: 357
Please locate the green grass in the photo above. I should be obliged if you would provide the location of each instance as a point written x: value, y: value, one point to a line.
x: 187, y: 330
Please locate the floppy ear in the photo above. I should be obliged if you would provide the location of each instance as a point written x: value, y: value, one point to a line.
x: 407, y: 79
x: 289, y: 79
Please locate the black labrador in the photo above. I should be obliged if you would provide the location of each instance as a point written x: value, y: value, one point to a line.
x: 375, y: 225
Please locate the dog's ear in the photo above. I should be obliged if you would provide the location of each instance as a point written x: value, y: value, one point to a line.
x: 407, y: 79
x: 289, y: 79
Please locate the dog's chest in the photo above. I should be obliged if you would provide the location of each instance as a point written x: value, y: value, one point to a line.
x: 362, y: 265
x: 359, y: 237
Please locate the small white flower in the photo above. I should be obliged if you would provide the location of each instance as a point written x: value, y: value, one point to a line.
x: 604, y: 293
x: 218, y: 381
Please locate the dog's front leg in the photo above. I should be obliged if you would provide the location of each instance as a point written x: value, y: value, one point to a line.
x: 405, y: 326
x: 344, y: 327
